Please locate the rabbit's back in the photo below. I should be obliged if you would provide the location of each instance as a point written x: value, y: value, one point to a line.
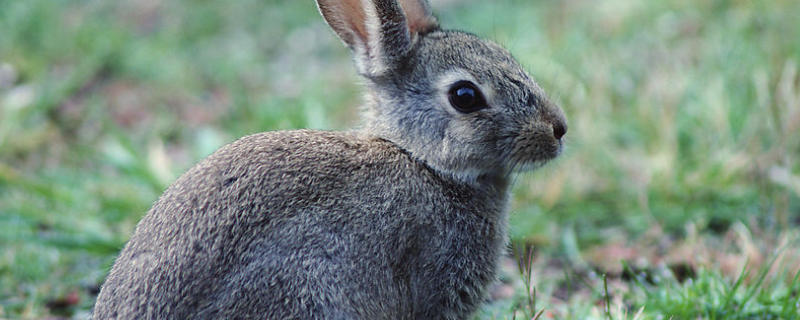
x: 310, y: 224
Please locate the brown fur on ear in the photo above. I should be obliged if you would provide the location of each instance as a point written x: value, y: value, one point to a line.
x: 379, y: 32
x: 347, y: 19
x: 419, y: 16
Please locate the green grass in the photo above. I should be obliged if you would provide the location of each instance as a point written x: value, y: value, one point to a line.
x: 682, y: 160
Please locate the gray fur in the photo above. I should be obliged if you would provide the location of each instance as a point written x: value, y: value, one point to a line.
x: 403, y: 219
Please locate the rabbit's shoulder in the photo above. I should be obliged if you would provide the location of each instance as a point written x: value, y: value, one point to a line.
x: 308, y: 152
x: 284, y: 167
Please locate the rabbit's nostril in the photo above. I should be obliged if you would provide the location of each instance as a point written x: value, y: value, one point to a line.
x: 559, y: 130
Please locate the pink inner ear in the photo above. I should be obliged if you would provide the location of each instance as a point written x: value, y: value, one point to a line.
x: 353, y: 14
x: 418, y: 16
x: 347, y: 19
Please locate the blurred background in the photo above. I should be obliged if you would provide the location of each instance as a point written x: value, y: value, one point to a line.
x: 681, y: 168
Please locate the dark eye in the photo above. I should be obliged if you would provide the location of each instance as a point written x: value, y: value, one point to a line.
x: 466, y: 97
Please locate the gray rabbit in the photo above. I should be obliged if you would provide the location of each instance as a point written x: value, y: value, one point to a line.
x: 402, y: 219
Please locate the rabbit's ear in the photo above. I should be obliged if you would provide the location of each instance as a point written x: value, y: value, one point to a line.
x: 379, y: 32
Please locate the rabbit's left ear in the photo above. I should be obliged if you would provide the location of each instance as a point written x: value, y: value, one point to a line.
x: 379, y: 32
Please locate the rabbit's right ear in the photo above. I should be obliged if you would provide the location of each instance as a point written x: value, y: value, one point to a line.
x: 379, y: 32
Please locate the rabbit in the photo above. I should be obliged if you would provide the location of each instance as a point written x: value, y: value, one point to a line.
x: 402, y: 218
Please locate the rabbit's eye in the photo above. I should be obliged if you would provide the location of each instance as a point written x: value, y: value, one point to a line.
x: 466, y: 97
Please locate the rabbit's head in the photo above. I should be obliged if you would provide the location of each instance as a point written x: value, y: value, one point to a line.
x: 459, y: 103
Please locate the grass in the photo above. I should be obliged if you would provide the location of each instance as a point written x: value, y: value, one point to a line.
x: 681, y: 183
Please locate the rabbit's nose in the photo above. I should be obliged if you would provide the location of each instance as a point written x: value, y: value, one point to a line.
x: 559, y: 129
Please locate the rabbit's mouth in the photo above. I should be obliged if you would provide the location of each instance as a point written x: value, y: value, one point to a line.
x: 530, y: 165
x: 534, y: 147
